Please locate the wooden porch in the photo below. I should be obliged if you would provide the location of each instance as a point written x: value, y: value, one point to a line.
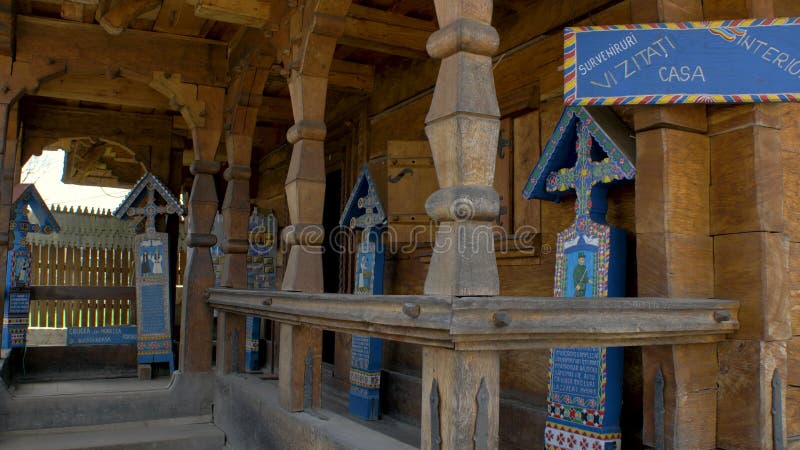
x: 278, y: 104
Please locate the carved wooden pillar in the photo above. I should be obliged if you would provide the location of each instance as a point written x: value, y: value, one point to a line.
x: 24, y: 78
x: 305, y: 184
x: 197, y: 317
x: 313, y: 44
x: 244, y: 98
x: 461, y: 389
x: 463, y: 128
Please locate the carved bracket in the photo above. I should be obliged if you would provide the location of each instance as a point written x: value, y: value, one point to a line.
x: 182, y: 96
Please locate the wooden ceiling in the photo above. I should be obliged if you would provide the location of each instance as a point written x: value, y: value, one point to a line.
x: 144, y: 35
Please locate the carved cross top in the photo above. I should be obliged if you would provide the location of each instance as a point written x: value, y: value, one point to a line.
x: 150, y: 210
x: 26, y: 196
x: 364, y: 210
x: 585, y: 174
x: 141, y: 201
x: 589, y: 148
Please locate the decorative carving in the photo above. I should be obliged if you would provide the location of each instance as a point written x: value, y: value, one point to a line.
x: 481, y: 435
x: 182, y: 96
x: 659, y: 411
x: 308, y: 381
x: 436, y: 437
x: 778, y: 437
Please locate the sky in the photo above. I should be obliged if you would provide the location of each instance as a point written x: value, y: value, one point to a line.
x: 46, y: 171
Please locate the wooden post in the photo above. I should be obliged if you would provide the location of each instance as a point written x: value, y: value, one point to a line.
x: 463, y: 129
x: 753, y: 221
x: 461, y: 389
x: 675, y: 252
x: 460, y: 399
x: 24, y: 78
x: 300, y: 368
x: 245, y: 97
x: 312, y: 54
x: 196, y: 316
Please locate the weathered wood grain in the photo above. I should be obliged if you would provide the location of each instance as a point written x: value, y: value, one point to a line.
x: 672, y: 179
x: 745, y: 392
x: 752, y: 268
x: 690, y: 389
x: 527, y: 148
x: 747, y: 183
x: 470, y: 323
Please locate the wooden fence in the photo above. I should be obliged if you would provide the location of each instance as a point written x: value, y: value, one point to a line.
x: 78, y: 306
x: 82, y: 313
x: 91, y: 269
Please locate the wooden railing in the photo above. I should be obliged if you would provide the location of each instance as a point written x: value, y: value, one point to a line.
x: 462, y: 334
x: 77, y: 306
x: 493, y: 323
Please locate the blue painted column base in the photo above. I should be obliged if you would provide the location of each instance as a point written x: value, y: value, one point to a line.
x: 365, y: 377
x: 15, y: 319
x: 253, y: 336
x: 577, y: 422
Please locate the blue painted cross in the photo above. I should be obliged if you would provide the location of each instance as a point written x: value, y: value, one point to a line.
x: 153, y: 302
x: 588, y: 151
x: 17, y: 288
x: 364, y: 211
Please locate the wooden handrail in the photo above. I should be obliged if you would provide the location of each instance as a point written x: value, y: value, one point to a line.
x: 497, y: 323
x: 82, y: 292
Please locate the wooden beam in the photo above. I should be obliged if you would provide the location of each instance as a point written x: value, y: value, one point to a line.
x: 117, y: 18
x: 275, y: 109
x: 87, y: 48
x: 252, y: 13
x: 244, y: 49
x: 352, y: 76
x: 177, y: 17
x: 386, y: 32
x: 99, y: 88
x: 45, y: 124
x: 7, y: 27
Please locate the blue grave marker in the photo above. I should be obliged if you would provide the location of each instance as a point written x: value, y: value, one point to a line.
x: 364, y: 212
x: 730, y: 61
x: 589, y: 150
x: 262, y: 232
x: 153, y: 309
x: 17, y: 288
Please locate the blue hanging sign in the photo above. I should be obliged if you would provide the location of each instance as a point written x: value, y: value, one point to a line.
x: 731, y: 61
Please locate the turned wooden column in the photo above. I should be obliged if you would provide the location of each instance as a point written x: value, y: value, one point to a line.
x: 305, y: 192
x: 312, y: 46
x: 460, y: 404
x: 197, y: 317
x: 231, y: 330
